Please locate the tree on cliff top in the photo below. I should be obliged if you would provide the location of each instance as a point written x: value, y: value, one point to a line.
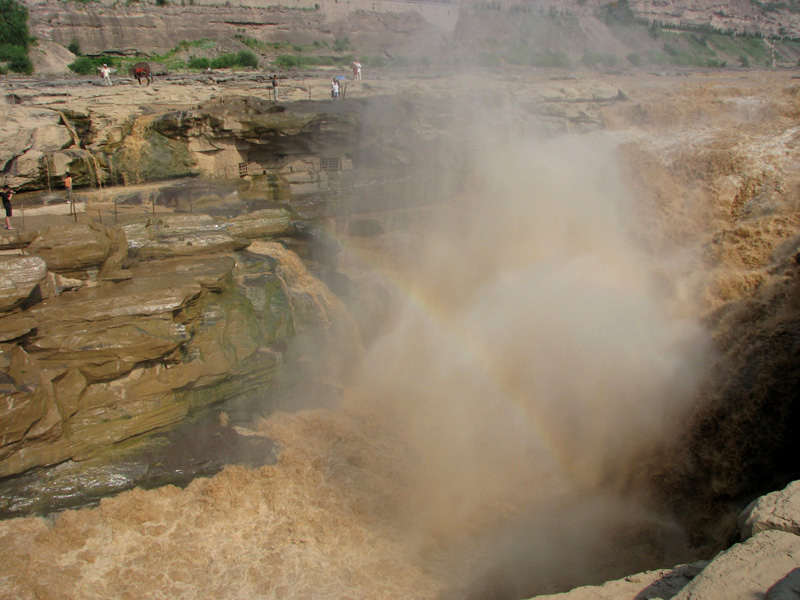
x: 14, y: 24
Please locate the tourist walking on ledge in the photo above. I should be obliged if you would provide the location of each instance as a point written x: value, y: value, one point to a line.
x: 275, y: 88
x: 68, y: 186
x: 335, y: 90
x: 6, y: 196
x: 106, y: 73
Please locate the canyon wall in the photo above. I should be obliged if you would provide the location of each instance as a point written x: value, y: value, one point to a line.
x: 384, y: 27
x: 147, y: 29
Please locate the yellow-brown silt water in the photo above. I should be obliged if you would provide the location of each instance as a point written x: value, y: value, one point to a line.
x: 131, y: 163
x: 485, y: 443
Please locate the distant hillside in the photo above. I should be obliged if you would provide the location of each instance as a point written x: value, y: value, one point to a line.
x: 585, y: 33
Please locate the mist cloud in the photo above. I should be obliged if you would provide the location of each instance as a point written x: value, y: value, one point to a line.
x: 533, y: 361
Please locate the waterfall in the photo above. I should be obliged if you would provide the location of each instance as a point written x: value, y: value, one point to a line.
x: 130, y: 165
x: 47, y: 171
x: 95, y: 166
x: 327, y: 335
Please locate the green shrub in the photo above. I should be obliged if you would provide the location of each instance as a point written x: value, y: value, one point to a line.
x: 87, y: 65
x: 291, y: 61
x: 17, y: 59
x: 243, y: 58
x: 634, y: 59
x: 618, y: 11
x: 199, y: 62
x: 75, y: 47
x: 202, y: 43
x: 255, y: 44
x: 294, y: 61
x: 342, y: 44
x: 14, y: 24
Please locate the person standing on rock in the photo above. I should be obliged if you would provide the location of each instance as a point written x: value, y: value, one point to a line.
x: 106, y: 73
x: 68, y: 186
x: 356, y: 70
x: 275, y: 88
x: 6, y: 196
x: 335, y: 90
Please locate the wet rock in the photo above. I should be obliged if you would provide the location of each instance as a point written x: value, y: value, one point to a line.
x: 16, y: 239
x: 194, y: 449
x: 261, y: 224
x: 80, y: 250
x: 15, y: 326
x: 19, y: 277
x: 146, y: 155
x: 29, y: 133
x: 179, y: 235
x: 28, y: 410
x: 141, y: 348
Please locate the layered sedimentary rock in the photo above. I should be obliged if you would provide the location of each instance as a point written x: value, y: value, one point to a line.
x: 191, y: 319
x: 143, y: 29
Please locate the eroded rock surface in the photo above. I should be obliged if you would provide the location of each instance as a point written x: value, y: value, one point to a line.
x: 765, y: 565
x: 194, y: 321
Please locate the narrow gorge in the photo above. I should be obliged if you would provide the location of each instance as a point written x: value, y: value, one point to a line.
x: 476, y: 335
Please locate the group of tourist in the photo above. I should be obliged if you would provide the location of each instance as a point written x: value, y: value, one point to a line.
x: 143, y: 74
x: 336, y: 84
x: 140, y: 74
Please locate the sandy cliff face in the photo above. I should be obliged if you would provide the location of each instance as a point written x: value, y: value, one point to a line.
x: 147, y: 29
x: 384, y: 28
x: 740, y: 16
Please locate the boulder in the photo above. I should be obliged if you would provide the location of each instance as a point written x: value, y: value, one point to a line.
x: 765, y: 565
x: 748, y: 570
x: 269, y: 222
x: 50, y: 58
x: 659, y: 583
x: 19, y: 277
x: 179, y: 235
x: 30, y: 134
x: 16, y: 239
x: 15, y: 326
x: 25, y: 127
x: 779, y: 510
x: 80, y: 250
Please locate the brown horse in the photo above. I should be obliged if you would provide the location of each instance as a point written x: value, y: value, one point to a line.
x: 141, y: 71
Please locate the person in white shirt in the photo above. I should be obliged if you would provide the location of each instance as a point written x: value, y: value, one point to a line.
x: 106, y: 73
